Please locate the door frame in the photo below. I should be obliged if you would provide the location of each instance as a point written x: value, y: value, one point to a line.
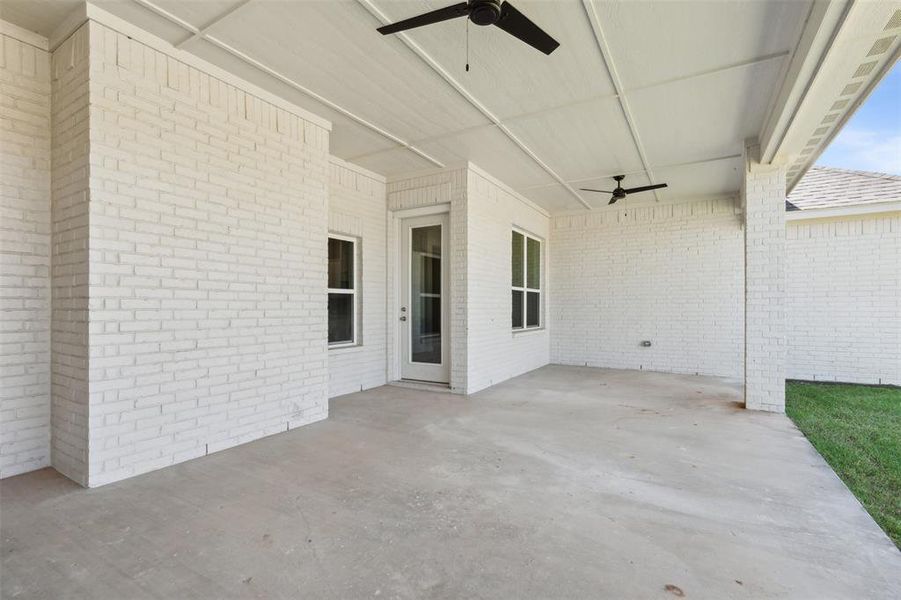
x: 424, y: 371
x: 395, y: 248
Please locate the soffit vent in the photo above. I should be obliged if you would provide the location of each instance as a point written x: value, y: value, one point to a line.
x: 849, y: 93
x: 851, y: 88
x: 881, y: 46
x: 864, y: 69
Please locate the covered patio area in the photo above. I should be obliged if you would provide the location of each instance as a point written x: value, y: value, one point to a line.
x: 563, y: 482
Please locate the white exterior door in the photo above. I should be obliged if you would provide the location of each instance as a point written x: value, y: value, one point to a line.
x: 425, y: 306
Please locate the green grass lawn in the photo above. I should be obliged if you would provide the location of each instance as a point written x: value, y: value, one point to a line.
x: 857, y: 429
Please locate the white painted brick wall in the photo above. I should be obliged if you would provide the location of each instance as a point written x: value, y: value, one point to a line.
x: 24, y: 257
x: 357, y: 207
x: 494, y: 352
x: 671, y: 274
x: 208, y: 221
x: 763, y: 195
x: 484, y: 351
x: 442, y: 187
x: 70, y: 196
x: 843, y: 299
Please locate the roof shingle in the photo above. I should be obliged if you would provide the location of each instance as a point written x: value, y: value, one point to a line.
x: 828, y: 187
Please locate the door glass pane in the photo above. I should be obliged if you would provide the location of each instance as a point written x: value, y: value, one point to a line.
x: 340, y: 264
x: 534, y: 264
x: 517, y: 259
x: 533, y: 302
x: 517, y: 309
x: 340, y: 318
x: 425, y: 294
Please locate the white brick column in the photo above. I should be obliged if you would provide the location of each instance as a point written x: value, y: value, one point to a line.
x: 70, y: 199
x: 763, y: 198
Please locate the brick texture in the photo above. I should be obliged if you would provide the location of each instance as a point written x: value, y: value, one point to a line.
x: 843, y: 299
x: 670, y: 274
x: 208, y: 220
x: 24, y: 257
x: 763, y: 192
x: 357, y: 208
x: 70, y: 213
x: 484, y: 350
x: 444, y: 187
x: 494, y: 352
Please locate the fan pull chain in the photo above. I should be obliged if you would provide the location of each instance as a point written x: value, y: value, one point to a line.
x: 467, y: 44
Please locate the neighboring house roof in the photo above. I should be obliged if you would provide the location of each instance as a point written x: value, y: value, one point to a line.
x: 828, y: 187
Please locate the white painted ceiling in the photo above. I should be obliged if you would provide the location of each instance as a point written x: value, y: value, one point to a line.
x: 40, y: 16
x: 696, y: 78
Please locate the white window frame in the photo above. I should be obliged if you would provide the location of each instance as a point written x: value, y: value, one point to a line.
x: 525, y: 280
x: 355, y: 323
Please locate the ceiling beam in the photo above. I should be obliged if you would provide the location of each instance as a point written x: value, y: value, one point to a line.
x: 202, y: 34
x: 604, y: 49
x: 436, y: 66
x: 202, y: 30
x: 431, y: 138
x: 714, y: 71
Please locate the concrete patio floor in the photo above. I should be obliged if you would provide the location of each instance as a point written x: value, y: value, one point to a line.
x: 565, y: 482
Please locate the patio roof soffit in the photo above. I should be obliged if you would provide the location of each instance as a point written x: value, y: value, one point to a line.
x: 843, y: 52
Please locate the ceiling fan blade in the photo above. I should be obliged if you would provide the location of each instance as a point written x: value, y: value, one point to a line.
x: 612, y: 201
x: 645, y: 188
x: 591, y: 190
x: 519, y: 26
x: 436, y: 16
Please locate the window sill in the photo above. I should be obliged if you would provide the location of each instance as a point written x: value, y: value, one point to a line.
x: 518, y: 332
x: 343, y: 348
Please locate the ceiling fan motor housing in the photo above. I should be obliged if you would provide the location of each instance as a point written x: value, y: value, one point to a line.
x: 619, y: 192
x: 484, y: 12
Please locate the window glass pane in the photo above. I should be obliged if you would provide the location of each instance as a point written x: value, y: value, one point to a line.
x: 534, y: 264
x: 340, y: 318
x: 425, y: 294
x: 426, y: 337
x: 340, y: 264
x: 533, y: 302
x: 517, y: 309
x: 517, y: 259
x: 427, y: 240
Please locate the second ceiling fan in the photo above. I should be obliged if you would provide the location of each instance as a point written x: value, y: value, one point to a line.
x: 621, y: 192
x: 483, y: 12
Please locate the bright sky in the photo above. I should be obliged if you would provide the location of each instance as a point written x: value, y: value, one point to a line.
x: 871, y: 140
